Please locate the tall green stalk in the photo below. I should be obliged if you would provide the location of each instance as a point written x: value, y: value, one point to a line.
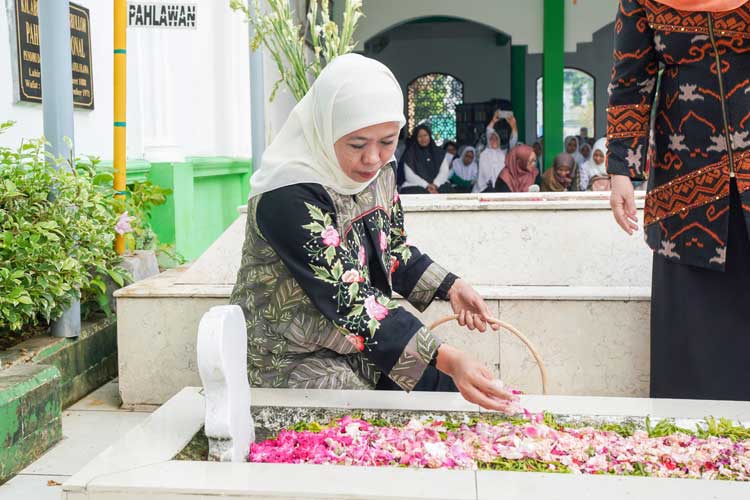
x: 298, y: 64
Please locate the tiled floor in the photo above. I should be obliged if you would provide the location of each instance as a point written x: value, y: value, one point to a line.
x: 89, y: 426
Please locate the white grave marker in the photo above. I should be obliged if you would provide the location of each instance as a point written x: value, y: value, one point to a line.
x: 222, y: 363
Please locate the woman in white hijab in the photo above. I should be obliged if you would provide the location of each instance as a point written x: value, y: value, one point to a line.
x: 491, y: 162
x: 464, y: 170
x: 325, y: 248
x: 573, y: 148
x: 596, y: 166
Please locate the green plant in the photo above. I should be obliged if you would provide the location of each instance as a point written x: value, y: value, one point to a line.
x: 285, y: 40
x: 140, y: 198
x: 55, y: 237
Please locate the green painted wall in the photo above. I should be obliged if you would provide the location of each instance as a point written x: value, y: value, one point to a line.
x: 206, y: 194
x: 553, y: 73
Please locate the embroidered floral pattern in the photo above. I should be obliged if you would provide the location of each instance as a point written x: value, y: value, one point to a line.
x: 343, y: 270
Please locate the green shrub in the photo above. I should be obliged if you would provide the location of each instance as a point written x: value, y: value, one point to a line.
x: 56, y: 237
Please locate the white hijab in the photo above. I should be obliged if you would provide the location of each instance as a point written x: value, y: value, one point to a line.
x: 351, y: 93
x: 590, y: 167
x: 491, y: 163
x: 466, y: 172
x: 580, y: 160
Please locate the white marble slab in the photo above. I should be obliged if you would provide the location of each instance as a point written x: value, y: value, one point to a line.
x: 33, y: 487
x: 521, y: 486
x: 159, y: 437
x: 551, y: 239
x: 288, y: 482
x: 165, y: 315
x: 139, y: 465
x: 85, y: 435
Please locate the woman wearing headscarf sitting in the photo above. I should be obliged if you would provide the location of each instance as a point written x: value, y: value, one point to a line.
x: 491, y: 162
x: 572, y: 147
x: 426, y: 165
x: 464, y: 171
x: 450, y: 147
x: 597, y: 165
x: 325, y: 248
x: 520, y: 171
x: 563, y: 176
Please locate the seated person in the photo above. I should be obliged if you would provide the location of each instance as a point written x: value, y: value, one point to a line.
x: 520, y: 171
x: 450, y: 148
x: 426, y: 165
x: 563, y: 176
x: 325, y: 250
x: 464, y: 171
x: 597, y: 165
x: 491, y: 162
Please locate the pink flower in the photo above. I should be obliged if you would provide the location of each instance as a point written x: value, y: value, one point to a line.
x: 361, y: 256
x: 331, y: 237
x: 123, y: 224
x: 532, y: 431
x: 395, y: 197
x: 375, y: 309
x: 357, y: 341
x: 383, y: 241
x: 351, y: 276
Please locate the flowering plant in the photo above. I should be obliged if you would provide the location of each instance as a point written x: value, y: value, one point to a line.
x: 536, y: 443
x: 284, y: 39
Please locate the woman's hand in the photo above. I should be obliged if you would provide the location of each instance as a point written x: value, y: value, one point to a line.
x: 623, y: 203
x: 432, y: 189
x: 512, y: 122
x: 474, y: 381
x: 471, y: 308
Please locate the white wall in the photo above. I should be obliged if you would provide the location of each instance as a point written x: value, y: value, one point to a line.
x: 188, y: 90
x: 584, y: 18
x: 521, y: 19
x: 478, y: 62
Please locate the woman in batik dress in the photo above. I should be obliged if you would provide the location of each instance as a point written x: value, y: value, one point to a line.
x: 696, y: 214
x: 326, y: 248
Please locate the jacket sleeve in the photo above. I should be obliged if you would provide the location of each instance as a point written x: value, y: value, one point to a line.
x: 631, y: 91
x: 299, y: 223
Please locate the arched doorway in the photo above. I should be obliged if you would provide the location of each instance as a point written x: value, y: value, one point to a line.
x: 579, y: 98
x: 431, y: 99
x: 441, y: 62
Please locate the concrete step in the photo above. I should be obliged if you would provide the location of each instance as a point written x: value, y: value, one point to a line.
x: 594, y: 340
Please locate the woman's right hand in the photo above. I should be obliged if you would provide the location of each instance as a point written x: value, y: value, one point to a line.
x: 473, y: 379
x: 432, y: 189
x: 623, y: 203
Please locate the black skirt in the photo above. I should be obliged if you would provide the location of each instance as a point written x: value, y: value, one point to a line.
x: 700, y: 333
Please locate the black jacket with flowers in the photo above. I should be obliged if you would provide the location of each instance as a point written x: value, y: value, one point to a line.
x: 315, y: 284
x: 700, y: 137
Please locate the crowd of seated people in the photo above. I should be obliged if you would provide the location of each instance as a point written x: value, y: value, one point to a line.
x: 494, y: 167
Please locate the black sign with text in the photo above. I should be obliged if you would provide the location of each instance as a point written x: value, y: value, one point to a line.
x: 29, y: 57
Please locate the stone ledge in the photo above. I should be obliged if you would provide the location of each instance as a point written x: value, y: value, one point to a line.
x: 506, y: 201
x: 84, y: 363
x: 30, y: 415
x: 141, y: 464
x: 166, y: 285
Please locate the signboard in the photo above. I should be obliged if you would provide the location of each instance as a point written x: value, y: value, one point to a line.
x: 162, y: 15
x: 28, y: 56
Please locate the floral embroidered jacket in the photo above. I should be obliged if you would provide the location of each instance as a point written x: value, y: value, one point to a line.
x: 318, y: 269
x: 700, y: 137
